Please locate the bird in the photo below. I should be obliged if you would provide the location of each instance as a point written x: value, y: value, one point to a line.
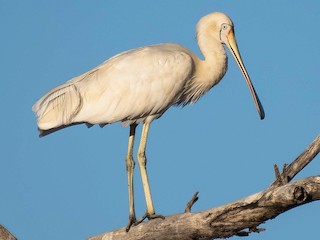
x: 139, y: 86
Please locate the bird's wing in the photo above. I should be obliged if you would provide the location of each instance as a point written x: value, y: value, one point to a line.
x: 60, y: 104
x: 129, y: 86
x: 135, y: 84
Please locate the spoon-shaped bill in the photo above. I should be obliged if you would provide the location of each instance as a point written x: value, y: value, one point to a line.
x: 232, y: 45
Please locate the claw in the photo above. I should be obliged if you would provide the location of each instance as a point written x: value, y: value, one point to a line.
x: 132, y: 221
x: 149, y: 216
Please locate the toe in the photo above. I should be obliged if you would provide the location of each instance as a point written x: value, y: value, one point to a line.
x: 132, y: 221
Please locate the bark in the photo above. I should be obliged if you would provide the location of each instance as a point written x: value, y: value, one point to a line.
x: 239, y: 218
x: 5, y: 234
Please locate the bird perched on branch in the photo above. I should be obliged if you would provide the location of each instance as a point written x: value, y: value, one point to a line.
x: 138, y: 86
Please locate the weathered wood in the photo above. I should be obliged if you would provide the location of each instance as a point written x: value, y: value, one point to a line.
x: 228, y: 220
x: 191, y: 202
x: 5, y: 234
x: 241, y: 217
x: 291, y: 170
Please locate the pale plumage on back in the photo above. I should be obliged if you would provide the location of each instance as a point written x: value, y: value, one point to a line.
x: 128, y: 87
x: 139, y: 86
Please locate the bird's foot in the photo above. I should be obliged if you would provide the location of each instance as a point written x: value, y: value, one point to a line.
x: 132, y: 221
x: 149, y: 216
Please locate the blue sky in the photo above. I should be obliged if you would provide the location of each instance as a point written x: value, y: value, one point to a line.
x: 72, y: 184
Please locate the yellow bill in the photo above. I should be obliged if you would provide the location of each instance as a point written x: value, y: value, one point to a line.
x: 232, y: 45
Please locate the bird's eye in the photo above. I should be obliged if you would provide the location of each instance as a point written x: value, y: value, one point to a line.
x: 224, y: 26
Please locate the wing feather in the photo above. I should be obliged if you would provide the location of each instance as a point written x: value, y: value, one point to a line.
x: 58, y: 107
x: 129, y: 87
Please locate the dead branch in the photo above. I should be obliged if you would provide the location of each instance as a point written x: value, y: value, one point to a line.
x: 191, y: 202
x: 241, y: 217
x: 5, y: 234
x: 291, y: 170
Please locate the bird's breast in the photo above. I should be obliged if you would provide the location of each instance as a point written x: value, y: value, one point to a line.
x: 206, y: 75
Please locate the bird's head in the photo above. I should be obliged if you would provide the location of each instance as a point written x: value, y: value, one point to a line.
x: 219, y: 27
x: 211, y: 25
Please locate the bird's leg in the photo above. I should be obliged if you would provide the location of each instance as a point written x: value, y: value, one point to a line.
x: 130, y: 167
x: 142, y: 160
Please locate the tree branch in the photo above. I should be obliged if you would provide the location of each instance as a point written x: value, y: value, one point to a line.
x: 241, y: 217
x: 5, y: 234
x: 291, y: 170
x: 191, y: 202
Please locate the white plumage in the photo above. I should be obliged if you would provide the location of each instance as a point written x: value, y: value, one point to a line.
x: 129, y: 87
x: 139, y: 86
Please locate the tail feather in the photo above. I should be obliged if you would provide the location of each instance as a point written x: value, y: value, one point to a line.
x: 58, y: 107
x: 43, y: 133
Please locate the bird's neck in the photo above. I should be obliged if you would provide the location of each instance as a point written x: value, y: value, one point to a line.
x: 208, y: 73
x: 215, y: 63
